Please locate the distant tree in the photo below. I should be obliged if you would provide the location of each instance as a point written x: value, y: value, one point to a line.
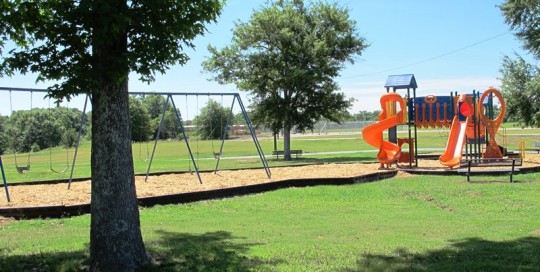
x: 364, y: 115
x: 139, y: 120
x: 287, y: 56
x: 211, y: 121
x: 521, y: 90
x: 523, y: 16
x: 154, y: 106
x: 69, y: 120
x: 33, y: 130
x: 38, y: 129
x: 3, y: 138
x: 90, y: 47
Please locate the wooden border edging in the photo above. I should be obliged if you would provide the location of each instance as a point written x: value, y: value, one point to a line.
x: 59, y: 211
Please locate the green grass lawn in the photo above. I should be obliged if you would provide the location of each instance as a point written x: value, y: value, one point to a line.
x: 173, y: 155
x: 422, y: 223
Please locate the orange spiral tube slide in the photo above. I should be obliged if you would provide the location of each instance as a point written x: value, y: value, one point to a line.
x: 373, y: 134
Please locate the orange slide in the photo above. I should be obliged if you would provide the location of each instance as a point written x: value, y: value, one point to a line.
x: 452, y: 155
x: 373, y: 134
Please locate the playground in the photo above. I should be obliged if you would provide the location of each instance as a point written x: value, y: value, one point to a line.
x: 343, y: 205
x: 471, y: 141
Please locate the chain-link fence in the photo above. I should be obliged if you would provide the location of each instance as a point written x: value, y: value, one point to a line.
x: 324, y: 128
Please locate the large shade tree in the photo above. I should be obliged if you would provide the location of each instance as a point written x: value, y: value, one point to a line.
x: 521, y: 88
x: 90, y: 47
x: 287, y: 56
x: 520, y: 79
x: 523, y: 16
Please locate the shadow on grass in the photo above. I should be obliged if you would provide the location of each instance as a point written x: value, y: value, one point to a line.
x: 50, y: 261
x: 212, y: 251
x: 465, y: 255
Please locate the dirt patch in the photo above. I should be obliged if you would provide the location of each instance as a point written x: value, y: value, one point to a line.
x: 536, y: 233
x: 5, y: 220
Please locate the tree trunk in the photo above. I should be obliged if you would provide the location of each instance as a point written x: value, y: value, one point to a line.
x: 115, y: 235
x: 287, y: 144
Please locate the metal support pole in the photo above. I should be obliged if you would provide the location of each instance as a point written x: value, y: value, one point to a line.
x: 252, y: 131
x: 411, y: 142
x: 165, y: 106
x: 185, y: 139
x: 83, y: 117
x: 415, y: 130
x: 224, y: 134
x: 5, y: 181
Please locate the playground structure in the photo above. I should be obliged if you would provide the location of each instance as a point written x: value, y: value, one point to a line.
x: 470, y: 118
x: 169, y: 102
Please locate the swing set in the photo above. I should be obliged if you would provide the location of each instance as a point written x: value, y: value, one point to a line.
x: 23, y: 169
x: 217, y: 155
x: 169, y: 98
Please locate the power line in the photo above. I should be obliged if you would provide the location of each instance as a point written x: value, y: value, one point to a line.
x: 432, y: 58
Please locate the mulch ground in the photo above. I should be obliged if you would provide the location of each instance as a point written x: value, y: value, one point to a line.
x: 58, y: 194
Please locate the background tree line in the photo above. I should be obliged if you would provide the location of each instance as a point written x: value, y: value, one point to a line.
x: 37, y: 129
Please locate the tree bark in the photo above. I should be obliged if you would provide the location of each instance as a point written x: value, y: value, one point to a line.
x: 287, y: 144
x: 115, y: 235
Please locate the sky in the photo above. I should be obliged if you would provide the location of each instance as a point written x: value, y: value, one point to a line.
x: 449, y: 46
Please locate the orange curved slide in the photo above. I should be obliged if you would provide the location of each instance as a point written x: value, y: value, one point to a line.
x: 373, y: 134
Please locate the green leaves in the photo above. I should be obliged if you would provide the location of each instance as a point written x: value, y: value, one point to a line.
x: 287, y: 56
x: 524, y: 18
x: 57, y: 39
x: 211, y: 122
x: 521, y: 89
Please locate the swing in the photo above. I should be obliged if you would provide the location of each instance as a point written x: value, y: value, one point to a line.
x: 51, y: 167
x: 20, y: 169
x: 217, y: 155
x: 187, y: 119
x: 147, y: 152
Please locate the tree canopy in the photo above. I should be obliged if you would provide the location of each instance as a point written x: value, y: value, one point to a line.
x: 211, y: 121
x: 287, y: 56
x: 524, y: 17
x: 139, y: 120
x: 521, y: 89
x: 521, y: 80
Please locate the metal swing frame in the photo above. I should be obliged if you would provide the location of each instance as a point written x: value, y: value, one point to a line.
x: 236, y: 97
x: 4, y: 179
x: 26, y: 168
x: 170, y: 95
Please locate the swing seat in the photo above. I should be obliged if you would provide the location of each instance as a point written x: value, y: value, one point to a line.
x: 23, y: 169
x: 61, y: 171
x: 217, y: 155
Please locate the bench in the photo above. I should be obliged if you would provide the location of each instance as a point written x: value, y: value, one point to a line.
x: 512, y: 163
x: 296, y: 152
x: 537, y: 146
